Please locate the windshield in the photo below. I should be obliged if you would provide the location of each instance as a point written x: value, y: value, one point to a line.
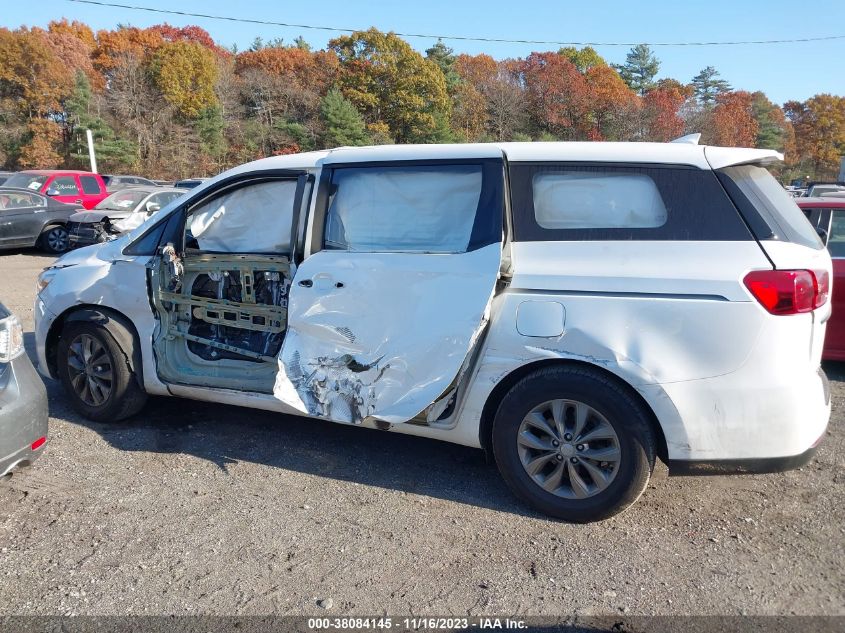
x: 26, y: 181
x: 775, y: 204
x: 122, y: 200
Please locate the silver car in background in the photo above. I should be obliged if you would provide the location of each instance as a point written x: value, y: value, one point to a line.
x: 23, y: 400
x: 122, y: 211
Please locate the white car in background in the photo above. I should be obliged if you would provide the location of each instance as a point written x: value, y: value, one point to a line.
x: 577, y: 309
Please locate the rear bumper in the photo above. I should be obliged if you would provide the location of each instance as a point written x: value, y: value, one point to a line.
x: 757, y: 466
x: 747, y: 421
x: 23, y: 414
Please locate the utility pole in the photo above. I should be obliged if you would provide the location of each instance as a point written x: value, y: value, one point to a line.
x: 91, y: 156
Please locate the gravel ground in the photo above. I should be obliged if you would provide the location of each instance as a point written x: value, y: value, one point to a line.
x: 198, y: 508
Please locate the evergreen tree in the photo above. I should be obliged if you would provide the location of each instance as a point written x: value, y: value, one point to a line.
x: 639, y: 69
x: 707, y: 85
x: 111, y: 151
x: 343, y: 124
x: 444, y: 57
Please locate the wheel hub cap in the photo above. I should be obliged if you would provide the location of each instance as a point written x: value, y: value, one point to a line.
x: 568, y: 448
x: 90, y: 370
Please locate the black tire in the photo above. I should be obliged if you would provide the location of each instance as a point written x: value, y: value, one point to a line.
x: 629, y: 421
x: 54, y: 239
x: 125, y: 396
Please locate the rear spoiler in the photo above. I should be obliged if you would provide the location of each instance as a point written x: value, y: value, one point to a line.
x: 720, y: 157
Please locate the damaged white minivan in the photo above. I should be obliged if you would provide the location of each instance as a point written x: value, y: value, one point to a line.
x: 577, y: 309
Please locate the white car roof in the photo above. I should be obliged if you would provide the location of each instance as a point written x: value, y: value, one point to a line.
x: 701, y: 156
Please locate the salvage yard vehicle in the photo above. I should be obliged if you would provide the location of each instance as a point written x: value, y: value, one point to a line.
x: 84, y: 188
x: 828, y: 216
x: 23, y: 400
x: 122, y: 211
x: 116, y: 182
x: 576, y: 309
x: 30, y: 219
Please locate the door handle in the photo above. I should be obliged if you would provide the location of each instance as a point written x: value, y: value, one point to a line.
x: 78, y: 201
x: 306, y: 283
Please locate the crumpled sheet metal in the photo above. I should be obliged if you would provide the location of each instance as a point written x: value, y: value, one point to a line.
x: 390, y: 340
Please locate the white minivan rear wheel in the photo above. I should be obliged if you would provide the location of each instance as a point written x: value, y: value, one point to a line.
x: 573, y: 443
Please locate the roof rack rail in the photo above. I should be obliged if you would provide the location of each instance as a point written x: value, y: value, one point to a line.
x: 689, y: 139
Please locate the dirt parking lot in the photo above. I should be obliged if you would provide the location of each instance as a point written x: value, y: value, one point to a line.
x: 197, y: 508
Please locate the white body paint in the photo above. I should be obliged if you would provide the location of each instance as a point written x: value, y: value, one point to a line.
x: 725, y: 379
x: 409, y: 319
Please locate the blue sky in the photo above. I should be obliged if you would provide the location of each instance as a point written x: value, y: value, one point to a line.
x: 783, y: 71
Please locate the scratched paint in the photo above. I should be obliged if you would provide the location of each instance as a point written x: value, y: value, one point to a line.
x: 384, y: 335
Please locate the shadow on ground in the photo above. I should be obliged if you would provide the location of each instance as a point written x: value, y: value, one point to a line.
x: 225, y: 435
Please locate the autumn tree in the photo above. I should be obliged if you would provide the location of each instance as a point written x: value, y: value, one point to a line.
x: 584, y: 59
x: 557, y: 95
x: 732, y: 122
x: 389, y: 81
x: 640, y: 69
x: 185, y: 73
x: 660, y: 112
x: 819, y: 124
x: 708, y: 85
x: 613, y: 105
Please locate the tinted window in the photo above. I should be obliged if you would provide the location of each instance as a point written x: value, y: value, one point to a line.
x: 574, y: 202
x: 413, y: 208
x: 65, y: 185
x: 836, y: 240
x: 600, y: 200
x: 20, y: 200
x: 26, y: 181
x: 765, y: 197
x: 90, y: 185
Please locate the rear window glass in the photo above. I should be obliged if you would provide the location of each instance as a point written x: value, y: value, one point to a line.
x: 122, y: 200
x: 774, y: 204
x: 26, y: 181
x: 580, y: 200
x: 429, y: 209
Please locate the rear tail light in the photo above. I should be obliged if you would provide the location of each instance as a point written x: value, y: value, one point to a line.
x: 822, y: 287
x: 789, y: 291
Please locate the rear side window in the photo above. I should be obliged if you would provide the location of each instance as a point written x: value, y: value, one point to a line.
x: 65, y: 185
x: 414, y: 208
x: 585, y: 200
x: 90, y: 185
x: 762, y: 200
x: 836, y: 241
x: 576, y: 202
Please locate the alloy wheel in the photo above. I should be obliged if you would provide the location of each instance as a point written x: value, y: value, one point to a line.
x: 568, y: 448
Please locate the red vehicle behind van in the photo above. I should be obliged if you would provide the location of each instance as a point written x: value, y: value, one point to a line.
x: 68, y: 186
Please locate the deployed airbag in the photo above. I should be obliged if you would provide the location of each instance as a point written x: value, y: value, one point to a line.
x: 252, y: 219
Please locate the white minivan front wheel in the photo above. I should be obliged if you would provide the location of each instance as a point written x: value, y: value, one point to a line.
x: 573, y: 443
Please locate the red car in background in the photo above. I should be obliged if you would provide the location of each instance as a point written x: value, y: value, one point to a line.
x: 828, y: 215
x: 71, y: 187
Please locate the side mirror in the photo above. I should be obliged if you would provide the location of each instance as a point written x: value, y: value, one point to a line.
x: 53, y: 192
x: 152, y: 207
